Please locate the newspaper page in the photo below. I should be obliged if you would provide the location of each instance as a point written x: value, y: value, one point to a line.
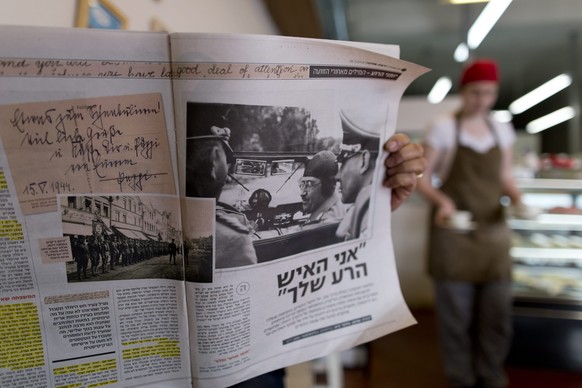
x: 91, y: 264
x: 279, y: 148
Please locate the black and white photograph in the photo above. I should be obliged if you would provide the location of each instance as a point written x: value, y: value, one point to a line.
x: 118, y: 237
x: 198, y: 223
x: 286, y: 179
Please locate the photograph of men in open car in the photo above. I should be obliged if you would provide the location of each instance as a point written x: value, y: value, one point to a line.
x: 284, y: 181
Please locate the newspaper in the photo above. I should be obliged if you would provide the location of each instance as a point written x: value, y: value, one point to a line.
x: 169, y: 206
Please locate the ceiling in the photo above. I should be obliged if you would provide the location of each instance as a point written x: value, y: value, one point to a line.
x: 529, y: 33
x: 533, y: 41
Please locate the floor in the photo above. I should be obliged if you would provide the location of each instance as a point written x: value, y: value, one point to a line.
x: 410, y: 359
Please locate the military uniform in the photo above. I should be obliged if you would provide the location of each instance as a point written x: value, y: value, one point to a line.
x: 172, y: 249
x: 330, y: 210
x: 234, y: 244
x: 355, y: 223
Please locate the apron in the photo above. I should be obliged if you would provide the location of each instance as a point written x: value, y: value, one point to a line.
x: 480, y: 255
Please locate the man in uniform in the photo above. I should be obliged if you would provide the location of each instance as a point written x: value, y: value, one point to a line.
x: 358, y: 153
x: 320, y: 198
x: 172, y: 249
x: 80, y: 254
x: 208, y: 156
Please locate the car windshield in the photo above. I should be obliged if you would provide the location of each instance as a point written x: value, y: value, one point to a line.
x: 279, y: 176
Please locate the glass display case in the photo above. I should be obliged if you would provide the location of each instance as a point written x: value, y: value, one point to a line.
x: 547, y: 275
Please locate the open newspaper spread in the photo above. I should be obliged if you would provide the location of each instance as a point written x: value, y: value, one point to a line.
x: 191, y: 209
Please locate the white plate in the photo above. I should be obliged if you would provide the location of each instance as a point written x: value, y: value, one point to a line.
x: 458, y: 228
x: 525, y: 212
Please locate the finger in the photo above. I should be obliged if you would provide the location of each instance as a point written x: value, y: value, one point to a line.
x: 399, y: 196
x: 415, y: 166
x: 440, y: 220
x: 407, y: 180
x: 396, y: 142
x: 408, y: 152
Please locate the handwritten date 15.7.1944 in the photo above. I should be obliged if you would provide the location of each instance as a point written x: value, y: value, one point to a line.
x: 46, y: 187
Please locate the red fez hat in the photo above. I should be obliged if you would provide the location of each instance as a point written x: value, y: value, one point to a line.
x: 480, y: 70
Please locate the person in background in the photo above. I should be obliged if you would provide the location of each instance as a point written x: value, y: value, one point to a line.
x: 317, y: 185
x: 404, y: 164
x: 471, y: 153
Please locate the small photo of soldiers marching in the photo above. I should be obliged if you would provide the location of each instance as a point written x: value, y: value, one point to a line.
x: 126, y: 237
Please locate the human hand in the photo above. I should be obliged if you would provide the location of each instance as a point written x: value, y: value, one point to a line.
x: 444, y: 210
x: 404, y: 166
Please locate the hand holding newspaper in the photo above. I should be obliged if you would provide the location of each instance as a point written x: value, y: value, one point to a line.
x: 191, y: 209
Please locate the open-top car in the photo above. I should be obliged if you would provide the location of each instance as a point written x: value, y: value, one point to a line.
x: 265, y: 187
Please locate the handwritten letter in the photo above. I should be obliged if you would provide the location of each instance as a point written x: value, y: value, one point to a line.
x: 101, y: 145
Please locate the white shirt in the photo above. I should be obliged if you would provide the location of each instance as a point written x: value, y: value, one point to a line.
x: 442, y: 134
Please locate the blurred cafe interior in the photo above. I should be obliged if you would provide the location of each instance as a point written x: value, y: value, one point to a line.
x: 538, y: 45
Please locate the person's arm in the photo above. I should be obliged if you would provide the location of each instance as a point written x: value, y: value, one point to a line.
x: 404, y: 163
x: 444, y: 205
x: 507, y: 180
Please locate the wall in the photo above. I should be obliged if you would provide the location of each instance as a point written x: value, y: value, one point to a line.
x: 235, y: 16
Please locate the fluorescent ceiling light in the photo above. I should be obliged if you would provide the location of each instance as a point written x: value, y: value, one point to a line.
x: 503, y: 116
x: 461, y: 53
x: 439, y: 90
x: 466, y: 1
x: 540, y: 93
x: 550, y: 120
x: 485, y: 21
